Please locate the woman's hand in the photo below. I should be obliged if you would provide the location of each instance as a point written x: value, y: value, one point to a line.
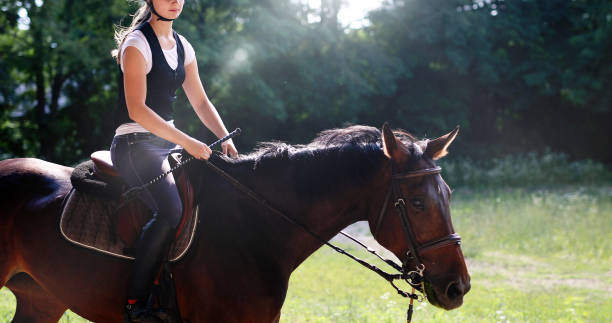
x: 228, y: 147
x: 197, y: 149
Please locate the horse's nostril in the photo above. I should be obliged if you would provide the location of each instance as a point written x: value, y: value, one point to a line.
x: 454, y: 290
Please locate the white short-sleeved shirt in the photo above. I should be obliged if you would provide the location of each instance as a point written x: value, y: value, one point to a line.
x: 138, y: 40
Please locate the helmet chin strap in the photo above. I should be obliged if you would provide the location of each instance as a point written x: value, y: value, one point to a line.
x: 159, y: 17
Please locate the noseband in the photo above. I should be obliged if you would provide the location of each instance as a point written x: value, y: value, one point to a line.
x: 394, y: 193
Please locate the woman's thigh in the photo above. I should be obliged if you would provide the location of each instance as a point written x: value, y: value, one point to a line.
x: 139, y: 159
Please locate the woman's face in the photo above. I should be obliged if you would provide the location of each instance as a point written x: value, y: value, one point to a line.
x: 170, y: 9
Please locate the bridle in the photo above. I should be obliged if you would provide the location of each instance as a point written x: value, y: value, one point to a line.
x: 394, y: 192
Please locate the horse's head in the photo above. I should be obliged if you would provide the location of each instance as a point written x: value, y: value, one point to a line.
x: 414, y: 222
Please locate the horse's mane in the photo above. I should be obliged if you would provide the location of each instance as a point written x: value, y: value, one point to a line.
x: 340, y: 138
x: 349, y: 155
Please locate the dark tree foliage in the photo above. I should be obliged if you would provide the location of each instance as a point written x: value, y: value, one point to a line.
x: 517, y: 76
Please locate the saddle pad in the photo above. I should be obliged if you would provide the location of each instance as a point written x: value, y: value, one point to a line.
x: 90, y: 221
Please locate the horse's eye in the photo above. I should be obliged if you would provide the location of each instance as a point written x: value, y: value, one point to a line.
x: 418, y: 203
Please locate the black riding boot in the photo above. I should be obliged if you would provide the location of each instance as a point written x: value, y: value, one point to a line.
x: 154, y: 240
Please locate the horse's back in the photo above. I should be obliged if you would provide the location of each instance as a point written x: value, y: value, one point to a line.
x: 32, y: 181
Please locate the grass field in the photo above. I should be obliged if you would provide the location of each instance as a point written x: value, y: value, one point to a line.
x: 535, y: 255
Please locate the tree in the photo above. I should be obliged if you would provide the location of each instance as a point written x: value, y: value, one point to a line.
x: 516, y: 75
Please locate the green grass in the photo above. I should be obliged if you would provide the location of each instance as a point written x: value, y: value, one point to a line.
x: 535, y: 255
x: 345, y: 293
x: 525, y: 170
x: 564, y: 223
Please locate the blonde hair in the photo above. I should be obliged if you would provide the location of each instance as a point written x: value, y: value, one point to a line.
x: 142, y: 14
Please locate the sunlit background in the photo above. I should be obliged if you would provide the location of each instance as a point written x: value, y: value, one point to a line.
x: 511, y: 74
x: 352, y: 13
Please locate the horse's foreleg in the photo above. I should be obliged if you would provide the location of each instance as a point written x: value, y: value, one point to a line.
x: 34, y: 304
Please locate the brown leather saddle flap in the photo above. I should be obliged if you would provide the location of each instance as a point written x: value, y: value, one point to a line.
x: 100, y: 223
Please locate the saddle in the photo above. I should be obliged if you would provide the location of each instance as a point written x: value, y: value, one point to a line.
x: 96, y: 217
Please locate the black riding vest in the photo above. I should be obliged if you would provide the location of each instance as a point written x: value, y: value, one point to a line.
x: 162, y: 81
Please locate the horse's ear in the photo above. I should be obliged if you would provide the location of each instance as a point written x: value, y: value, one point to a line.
x: 390, y: 146
x: 436, y: 148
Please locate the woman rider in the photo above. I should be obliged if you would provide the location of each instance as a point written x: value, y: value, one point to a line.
x: 154, y: 61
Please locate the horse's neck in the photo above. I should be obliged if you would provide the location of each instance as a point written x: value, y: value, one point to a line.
x: 324, y: 220
x: 324, y: 215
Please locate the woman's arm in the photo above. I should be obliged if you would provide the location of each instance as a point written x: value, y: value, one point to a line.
x: 205, y: 110
x: 135, y: 85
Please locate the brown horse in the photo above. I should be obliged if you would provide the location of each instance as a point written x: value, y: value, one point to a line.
x: 238, y: 269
